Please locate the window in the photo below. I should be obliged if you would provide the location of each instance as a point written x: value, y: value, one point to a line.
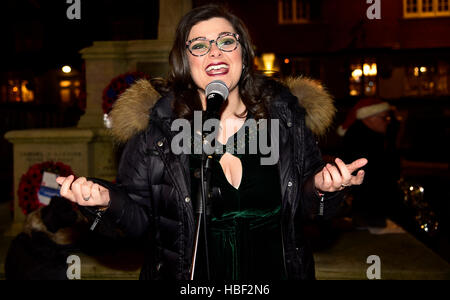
x: 411, y: 6
x: 69, y: 85
x: 427, y: 79
x: 425, y: 8
x: 69, y: 90
x: 363, y: 79
x: 443, y: 5
x: 294, y: 11
x: 17, y: 90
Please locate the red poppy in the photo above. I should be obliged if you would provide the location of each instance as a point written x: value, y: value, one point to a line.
x: 30, y: 182
x: 117, y: 86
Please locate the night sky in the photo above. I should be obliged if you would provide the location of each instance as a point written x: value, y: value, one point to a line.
x: 38, y: 34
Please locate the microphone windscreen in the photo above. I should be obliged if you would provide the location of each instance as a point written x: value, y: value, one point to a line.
x: 216, y: 93
x: 217, y: 87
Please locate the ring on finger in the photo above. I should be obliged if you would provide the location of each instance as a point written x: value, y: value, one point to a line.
x: 345, y: 185
x: 87, y: 198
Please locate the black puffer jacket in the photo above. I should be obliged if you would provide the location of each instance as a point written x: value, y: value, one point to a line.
x: 152, y: 197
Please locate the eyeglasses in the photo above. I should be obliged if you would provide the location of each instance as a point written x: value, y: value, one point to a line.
x: 226, y: 42
x: 383, y: 117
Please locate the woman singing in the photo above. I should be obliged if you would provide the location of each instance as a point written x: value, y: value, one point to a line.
x: 254, y: 228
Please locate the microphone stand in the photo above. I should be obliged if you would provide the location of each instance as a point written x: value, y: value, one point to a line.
x: 201, y: 210
x: 216, y: 93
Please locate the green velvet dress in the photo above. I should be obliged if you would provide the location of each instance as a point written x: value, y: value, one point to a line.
x: 244, y: 231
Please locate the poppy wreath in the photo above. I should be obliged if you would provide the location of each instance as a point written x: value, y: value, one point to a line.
x: 117, y: 86
x: 30, y: 182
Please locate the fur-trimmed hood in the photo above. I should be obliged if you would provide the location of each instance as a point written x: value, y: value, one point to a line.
x: 317, y: 102
x: 63, y: 236
x: 130, y: 113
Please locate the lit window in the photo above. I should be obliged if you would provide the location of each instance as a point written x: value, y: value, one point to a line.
x: 411, y: 6
x: 65, y: 83
x: 425, y: 8
x: 27, y: 95
x: 16, y: 90
x: 429, y: 79
x: 363, y: 79
x: 69, y: 85
x: 294, y: 11
x: 443, y: 5
x: 65, y: 95
x: 69, y: 90
x: 443, y: 8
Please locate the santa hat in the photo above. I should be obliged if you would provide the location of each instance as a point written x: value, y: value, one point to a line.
x: 364, y: 108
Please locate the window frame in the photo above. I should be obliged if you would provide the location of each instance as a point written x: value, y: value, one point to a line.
x: 442, y: 13
x: 364, y: 79
x: 295, y: 19
x: 420, y: 14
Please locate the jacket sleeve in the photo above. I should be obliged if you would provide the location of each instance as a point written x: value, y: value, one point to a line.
x: 129, y: 208
x: 312, y: 203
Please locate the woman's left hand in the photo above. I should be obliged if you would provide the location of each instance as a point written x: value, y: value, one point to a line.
x: 336, y: 178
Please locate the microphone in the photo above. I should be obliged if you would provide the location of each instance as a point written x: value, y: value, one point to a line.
x: 216, y: 93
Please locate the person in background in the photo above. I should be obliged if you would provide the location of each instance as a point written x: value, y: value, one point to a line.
x: 370, y: 130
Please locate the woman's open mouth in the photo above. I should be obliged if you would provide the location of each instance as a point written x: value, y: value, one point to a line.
x: 217, y: 69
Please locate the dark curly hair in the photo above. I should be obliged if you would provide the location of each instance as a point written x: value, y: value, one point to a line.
x: 255, y: 89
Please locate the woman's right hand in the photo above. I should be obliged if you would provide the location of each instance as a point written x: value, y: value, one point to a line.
x: 83, y: 191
